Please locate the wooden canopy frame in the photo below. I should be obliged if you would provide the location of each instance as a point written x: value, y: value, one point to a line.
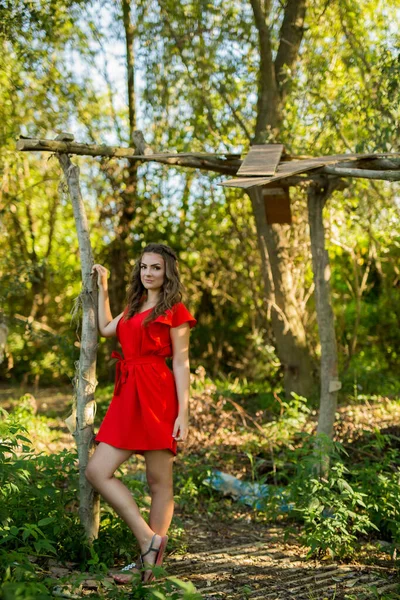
x: 383, y: 166
x: 264, y: 164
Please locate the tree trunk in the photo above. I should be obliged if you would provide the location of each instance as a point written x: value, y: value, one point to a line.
x: 130, y: 65
x: 330, y: 384
x: 273, y: 86
x: 289, y: 332
x: 118, y: 249
x: 85, y: 379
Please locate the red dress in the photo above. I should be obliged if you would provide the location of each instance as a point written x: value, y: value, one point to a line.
x: 144, y: 406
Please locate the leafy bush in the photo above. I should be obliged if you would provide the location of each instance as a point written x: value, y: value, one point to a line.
x: 35, y: 491
x: 354, y: 499
x: 379, y: 475
x: 39, y: 519
x: 334, y: 513
x: 332, y: 509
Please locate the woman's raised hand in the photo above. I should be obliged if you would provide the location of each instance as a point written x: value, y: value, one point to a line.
x: 102, y: 275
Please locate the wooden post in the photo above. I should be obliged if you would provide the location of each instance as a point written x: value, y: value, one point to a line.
x: 330, y: 384
x: 82, y: 419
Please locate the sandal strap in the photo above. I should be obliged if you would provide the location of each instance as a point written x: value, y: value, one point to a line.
x: 151, y: 548
x: 129, y: 567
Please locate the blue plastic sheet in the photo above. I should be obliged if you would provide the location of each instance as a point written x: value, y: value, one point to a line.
x: 247, y: 492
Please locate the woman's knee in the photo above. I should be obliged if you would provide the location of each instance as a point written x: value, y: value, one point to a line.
x: 158, y: 482
x: 104, y: 462
x: 93, y: 474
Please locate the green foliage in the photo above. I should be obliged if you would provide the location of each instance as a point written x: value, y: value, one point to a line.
x: 333, y: 513
x: 358, y: 498
x: 36, y: 491
x: 350, y: 502
x: 198, y: 64
x: 191, y: 491
x: 379, y: 473
x: 39, y: 520
x: 257, y: 394
x: 293, y: 415
x: 25, y: 590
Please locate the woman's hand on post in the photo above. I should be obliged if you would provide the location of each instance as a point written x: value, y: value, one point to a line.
x: 102, y: 275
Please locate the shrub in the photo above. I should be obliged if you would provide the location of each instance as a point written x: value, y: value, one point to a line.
x: 333, y: 510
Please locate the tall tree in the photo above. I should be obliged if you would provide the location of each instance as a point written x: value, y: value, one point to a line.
x: 195, y: 37
x: 119, y: 252
x: 231, y: 81
x: 274, y: 79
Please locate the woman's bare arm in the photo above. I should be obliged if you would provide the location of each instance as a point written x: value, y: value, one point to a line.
x: 180, y: 364
x: 107, y: 325
x: 180, y: 367
x: 111, y: 328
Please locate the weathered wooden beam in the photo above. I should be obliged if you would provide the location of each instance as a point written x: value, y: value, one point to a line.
x: 227, y: 164
x: 374, y: 164
x: 288, y: 168
x: 317, y: 170
x: 362, y: 173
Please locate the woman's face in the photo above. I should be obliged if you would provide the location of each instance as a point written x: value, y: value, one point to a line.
x: 152, y: 270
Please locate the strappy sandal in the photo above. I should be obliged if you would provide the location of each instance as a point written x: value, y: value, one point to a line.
x: 127, y: 571
x: 159, y: 557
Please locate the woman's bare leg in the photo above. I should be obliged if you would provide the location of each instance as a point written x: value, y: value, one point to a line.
x: 100, y: 472
x: 159, y: 464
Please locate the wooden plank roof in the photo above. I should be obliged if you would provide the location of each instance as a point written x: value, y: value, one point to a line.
x: 293, y: 167
x: 261, y: 160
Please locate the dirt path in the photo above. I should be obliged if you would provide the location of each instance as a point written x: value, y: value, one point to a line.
x: 245, y: 560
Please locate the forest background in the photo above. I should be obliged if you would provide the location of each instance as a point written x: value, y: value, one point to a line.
x: 64, y: 67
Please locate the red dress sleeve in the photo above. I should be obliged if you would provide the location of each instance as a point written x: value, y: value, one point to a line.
x: 182, y: 315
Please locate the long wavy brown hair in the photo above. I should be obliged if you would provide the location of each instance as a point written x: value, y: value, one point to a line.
x: 170, y: 293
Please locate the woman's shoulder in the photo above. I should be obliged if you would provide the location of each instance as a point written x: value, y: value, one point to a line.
x: 178, y: 306
x: 181, y: 314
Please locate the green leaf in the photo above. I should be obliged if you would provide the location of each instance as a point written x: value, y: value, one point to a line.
x: 186, y: 586
x: 46, y: 521
x: 314, y: 504
x: 158, y: 595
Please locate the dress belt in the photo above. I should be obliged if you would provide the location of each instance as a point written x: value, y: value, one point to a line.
x: 123, y: 364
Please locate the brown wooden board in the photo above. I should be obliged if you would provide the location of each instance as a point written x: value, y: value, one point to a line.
x: 295, y: 167
x: 277, y: 205
x: 261, y: 160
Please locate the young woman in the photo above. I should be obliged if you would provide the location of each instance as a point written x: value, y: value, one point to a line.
x: 148, y: 413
